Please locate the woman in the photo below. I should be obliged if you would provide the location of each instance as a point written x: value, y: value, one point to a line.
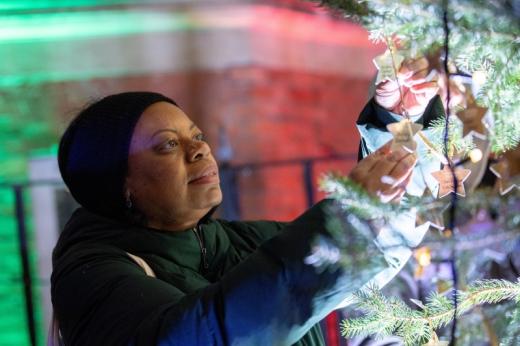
x: 143, y: 263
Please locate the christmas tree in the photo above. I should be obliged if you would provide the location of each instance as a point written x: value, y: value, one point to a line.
x: 463, y: 284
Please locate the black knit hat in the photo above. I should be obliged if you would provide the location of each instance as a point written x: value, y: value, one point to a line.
x: 93, y: 151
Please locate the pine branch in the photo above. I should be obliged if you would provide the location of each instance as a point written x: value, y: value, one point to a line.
x: 487, y: 291
x: 390, y: 316
x: 353, y: 198
x: 468, y: 242
x: 456, y: 141
x: 513, y: 333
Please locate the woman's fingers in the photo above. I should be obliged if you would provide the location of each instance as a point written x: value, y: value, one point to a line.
x: 402, y: 186
x: 400, y: 176
x: 387, y: 94
x: 397, y: 198
x: 384, y: 173
x: 425, y: 87
x: 414, y: 67
x: 407, y: 179
x: 384, y: 149
x: 390, y: 195
x: 367, y: 164
x: 387, y: 163
x: 416, y: 98
x: 403, y: 169
x: 393, y: 184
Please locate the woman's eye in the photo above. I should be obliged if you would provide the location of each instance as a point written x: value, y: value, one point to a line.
x: 172, y: 143
x: 200, y: 137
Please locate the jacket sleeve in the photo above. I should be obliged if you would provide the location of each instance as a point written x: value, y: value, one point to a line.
x: 271, y: 298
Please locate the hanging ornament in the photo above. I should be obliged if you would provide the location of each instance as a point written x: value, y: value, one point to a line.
x: 504, y: 182
x: 475, y: 155
x: 403, y: 133
x: 423, y: 256
x: 431, y: 148
x: 437, y: 220
x: 445, y: 179
x: 472, y: 121
x: 443, y: 285
x: 434, y: 217
x: 387, y: 65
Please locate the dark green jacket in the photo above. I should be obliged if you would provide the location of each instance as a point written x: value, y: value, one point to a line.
x: 256, y: 289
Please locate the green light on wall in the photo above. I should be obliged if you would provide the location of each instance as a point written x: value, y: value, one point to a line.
x: 17, y: 5
x: 52, y: 26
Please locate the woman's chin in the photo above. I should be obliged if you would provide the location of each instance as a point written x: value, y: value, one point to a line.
x: 216, y: 198
x: 213, y: 197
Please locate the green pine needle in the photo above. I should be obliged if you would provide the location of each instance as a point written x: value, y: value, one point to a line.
x: 390, y: 316
x: 354, y: 198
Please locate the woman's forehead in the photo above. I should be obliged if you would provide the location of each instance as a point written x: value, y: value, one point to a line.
x: 162, y: 115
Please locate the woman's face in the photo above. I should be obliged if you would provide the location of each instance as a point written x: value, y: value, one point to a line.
x: 172, y: 175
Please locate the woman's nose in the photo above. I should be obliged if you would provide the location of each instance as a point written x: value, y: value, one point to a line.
x: 197, y: 150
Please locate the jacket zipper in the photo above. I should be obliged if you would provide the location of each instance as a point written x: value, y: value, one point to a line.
x: 203, y: 249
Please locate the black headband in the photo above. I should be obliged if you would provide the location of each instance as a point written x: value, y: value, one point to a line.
x: 93, y: 151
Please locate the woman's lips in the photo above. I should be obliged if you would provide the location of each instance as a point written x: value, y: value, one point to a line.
x: 207, y: 176
x: 208, y: 179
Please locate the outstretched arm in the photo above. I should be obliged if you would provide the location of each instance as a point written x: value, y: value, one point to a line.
x: 274, y: 296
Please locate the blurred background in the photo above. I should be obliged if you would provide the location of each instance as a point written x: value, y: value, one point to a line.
x: 276, y: 86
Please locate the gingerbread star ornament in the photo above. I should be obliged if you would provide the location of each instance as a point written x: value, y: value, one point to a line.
x: 472, y: 121
x: 387, y: 64
x: 446, y: 181
x: 437, y: 223
x: 434, y: 217
x: 501, y: 170
x: 403, y: 133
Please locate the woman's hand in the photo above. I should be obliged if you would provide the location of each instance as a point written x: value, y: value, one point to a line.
x: 416, y: 90
x: 385, y: 174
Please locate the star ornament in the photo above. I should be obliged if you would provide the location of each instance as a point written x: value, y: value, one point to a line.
x: 501, y: 170
x: 403, y: 133
x: 437, y: 222
x: 472, y: 121
x: 445, y: 179
x: 387, y: 66
x: 434, y: 218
